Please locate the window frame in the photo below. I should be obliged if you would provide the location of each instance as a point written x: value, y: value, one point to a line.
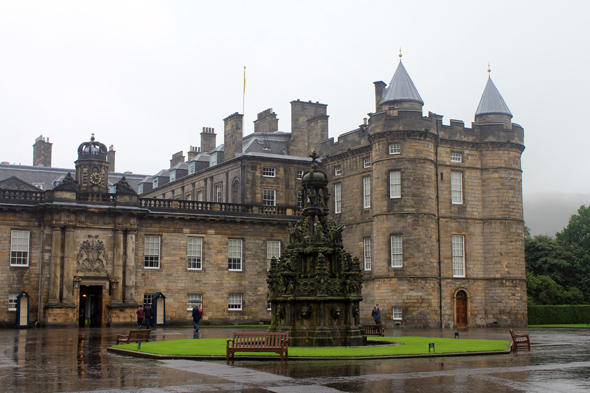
x: 198, y: 251
x: 17, y: 248
x: 12, y: 300
x: 458, y: 261
x: 396, y: 310
x: 239, y: 305
x: 456, y: 192
x: 394, y: 149
x: 337, y: 170
x: 367, y: 162
x: 239, y: 260
x: 268, y: 171
x: 396, y: 253
x: 145, y: 251
x: 367, y: 259
x: 395, y: 188
x: 366, y: 192
x: 266, y: 192
x: 337, y: 198
x: 456, y: 157
x: 275, y: 251
x: 150, y: 297
x: 300, y: 174
x: 191, y: 303
x: 219, y: 193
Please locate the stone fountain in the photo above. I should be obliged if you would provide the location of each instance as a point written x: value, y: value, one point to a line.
x: 315, y: 286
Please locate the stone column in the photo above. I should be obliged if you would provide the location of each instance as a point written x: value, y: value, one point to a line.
x: 55, y: 268
x: 118, y: 266
x: 69, y: 268
x: 130, y: 279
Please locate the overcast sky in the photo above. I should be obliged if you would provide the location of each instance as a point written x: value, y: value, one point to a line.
x: 146, y: 76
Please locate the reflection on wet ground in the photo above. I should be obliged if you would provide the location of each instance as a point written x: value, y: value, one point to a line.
x: 72, y: 360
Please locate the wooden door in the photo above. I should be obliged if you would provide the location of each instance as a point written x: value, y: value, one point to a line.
x: 461, y: 308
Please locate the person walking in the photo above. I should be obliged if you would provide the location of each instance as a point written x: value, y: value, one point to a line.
x: 376, y: 314
x: 197, y: 312
x: 148, y: 313
x: 139, y: 316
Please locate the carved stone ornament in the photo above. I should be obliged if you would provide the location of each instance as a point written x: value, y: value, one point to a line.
x: 92, y: 256
x: 67, y: 184
x: 305, y: 312
x: 335, y: 312
x: 123, y: 188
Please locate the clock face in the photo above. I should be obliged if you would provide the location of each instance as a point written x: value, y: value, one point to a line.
x: 95, y: 178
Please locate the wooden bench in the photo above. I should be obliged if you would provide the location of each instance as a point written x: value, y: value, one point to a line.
x: 134, y: 336
x: 520, y: 340
x: 259, y: 342
x: 374, y: 330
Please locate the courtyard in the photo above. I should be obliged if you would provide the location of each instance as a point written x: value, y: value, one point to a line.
x: 76, y: 360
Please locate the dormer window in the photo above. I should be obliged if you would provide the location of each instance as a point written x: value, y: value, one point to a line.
x: 191, y: 168
x: 38, y: 185
x: 156, y: 182
x: 269, y: 172
x: 213, y: 159
x: 172, y: 175
x: 140, y: 189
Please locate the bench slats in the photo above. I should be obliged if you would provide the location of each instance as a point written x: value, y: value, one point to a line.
x: 259, y: 342
x: 134, y: 336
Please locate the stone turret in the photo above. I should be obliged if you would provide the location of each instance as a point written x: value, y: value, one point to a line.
x: 92, y: 167
x: 401, y: 94
x: 492, y: 109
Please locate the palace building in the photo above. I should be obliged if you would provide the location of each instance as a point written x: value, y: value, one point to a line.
x: 433, y: 211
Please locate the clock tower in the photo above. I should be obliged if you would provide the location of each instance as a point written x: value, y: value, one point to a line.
x: 92, y: 168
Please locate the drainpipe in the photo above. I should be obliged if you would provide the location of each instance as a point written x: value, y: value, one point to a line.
x: 438, y: 230
x: 38, y: 323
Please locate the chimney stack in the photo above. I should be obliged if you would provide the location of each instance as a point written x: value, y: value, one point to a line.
x: 111, y: 158
x: 232, y: 136
x: 193, y: 152
x: 267, y: 122
x: 208, y: 139
x: 42, y: 152
x: 177, y: 158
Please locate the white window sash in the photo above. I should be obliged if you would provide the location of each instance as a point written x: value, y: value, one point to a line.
x: 366, y: 192
x: 152, y: 252
x: 395, y: 184
x: 20, y: 248
x: 396, y: 251
x: 337, y: 198
x: 367, y: 252
x: 234, y: 262
x: 273, y: 249
x: 234, y: 302
x: 458, y: 255
x: 456, y: 188
x: 193, y: 299
x: 194, y: 253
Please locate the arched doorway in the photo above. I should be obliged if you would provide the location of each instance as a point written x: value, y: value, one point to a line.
x: 461, y: 309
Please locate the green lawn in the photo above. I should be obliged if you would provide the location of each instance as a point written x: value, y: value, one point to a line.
x: 411, y: 346
x: 570, y: 325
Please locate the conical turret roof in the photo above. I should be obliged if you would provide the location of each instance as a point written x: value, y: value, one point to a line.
x: 401, y: 88
x: 492, y: 101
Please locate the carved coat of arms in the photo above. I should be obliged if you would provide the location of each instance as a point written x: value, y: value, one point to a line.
x: 92, y: 256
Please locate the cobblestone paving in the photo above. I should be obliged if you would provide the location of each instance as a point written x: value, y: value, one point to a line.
x: 76, y: 360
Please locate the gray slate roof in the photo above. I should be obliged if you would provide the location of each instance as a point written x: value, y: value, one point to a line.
x: 401, y: 88
x: 492, y: 101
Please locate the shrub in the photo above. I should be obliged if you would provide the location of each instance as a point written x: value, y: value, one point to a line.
x: 564, y: 314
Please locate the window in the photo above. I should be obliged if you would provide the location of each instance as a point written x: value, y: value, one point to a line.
x: 269, y: 172
x: 189, y: 197
x: 396, y: 251
x: 234, y: 248
x: 299, y: 175
x: 200, y: 196
x: 395, y: 184
x: 273, y: 249
x: 269, y: 197
x: 234, y: 301
x: 366, y: 192
x: 194, y: 251
x: 394, y: 149
x: 147, y: 299
x: 458, y: 251
x: 155, y: 182
x: 191, y: 168
x: 367, y: 252
x: 12, y: 301
x: 193, y: 299
x: 172, y: 175
x: 219, y: 193
x: 213, y: 159
x: 337, y: 198
x: 19, y: 248
x: 456, y: 188
x: 455, y: 157
x: 139, y: 189
x: 268, y: 304
x: 367, y: 163
x: 38, y: 185
x: 112, y: 189
x: 397, y: 313
x: 152, y: 252
x: 300, y: 199
x: 337, y: 170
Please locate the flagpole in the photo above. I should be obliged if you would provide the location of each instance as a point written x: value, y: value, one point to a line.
x: 244, y: 93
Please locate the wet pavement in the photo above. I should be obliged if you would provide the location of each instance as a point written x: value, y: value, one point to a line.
x: 76, y: 360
